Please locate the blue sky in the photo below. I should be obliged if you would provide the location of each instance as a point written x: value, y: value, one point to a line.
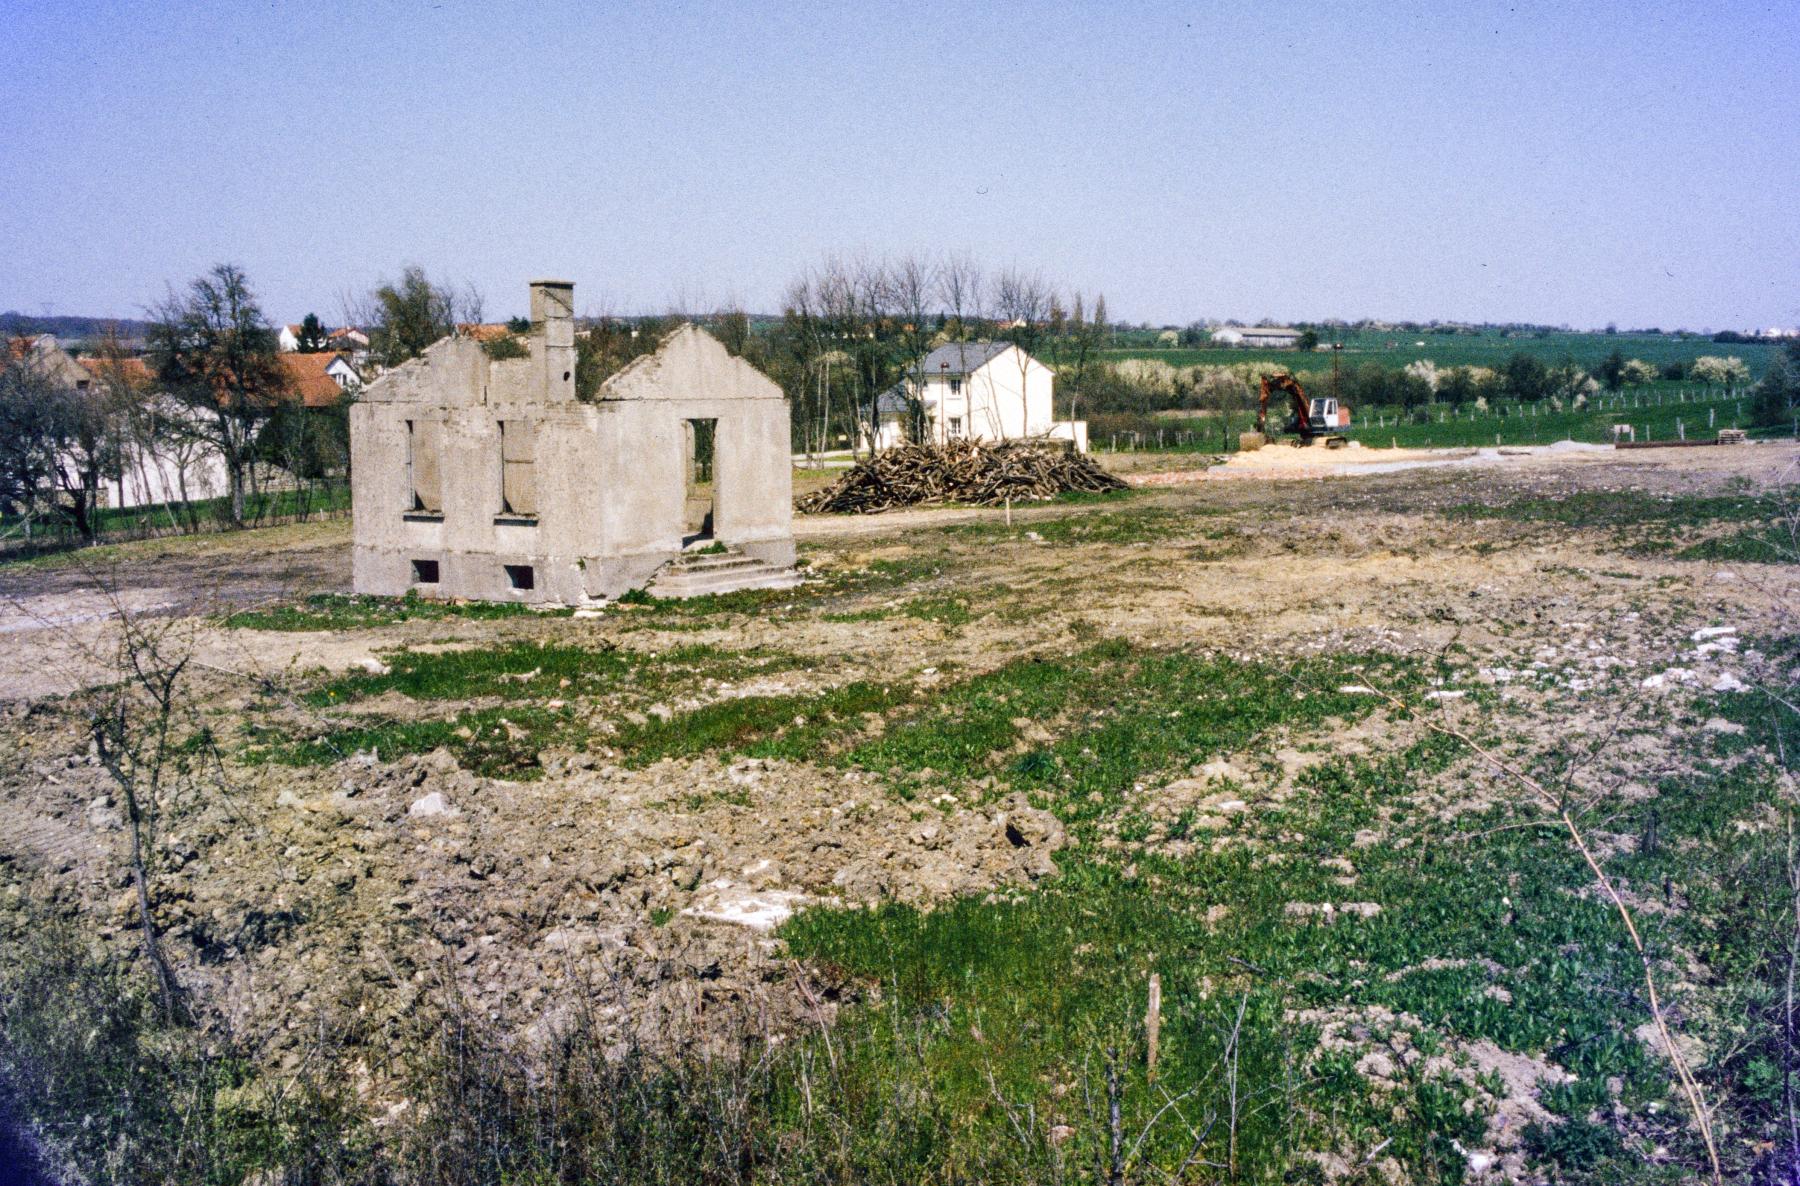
x: 1577, y: 163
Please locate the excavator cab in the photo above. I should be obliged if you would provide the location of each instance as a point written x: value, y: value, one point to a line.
x: 1312, y: 417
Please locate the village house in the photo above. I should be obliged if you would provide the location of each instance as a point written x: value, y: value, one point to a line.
x: 345, y: 339
x: 484, y: 477
x: 153, y: 468
x: 981, y: 391
x: 320, y: 380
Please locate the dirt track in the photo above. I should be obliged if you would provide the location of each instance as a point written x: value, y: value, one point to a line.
x: 55, y: 617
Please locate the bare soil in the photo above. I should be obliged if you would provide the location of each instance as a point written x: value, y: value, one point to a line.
x: 338, y: 893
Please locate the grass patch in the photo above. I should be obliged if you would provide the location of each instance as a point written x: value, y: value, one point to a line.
x: 339, y: 611
x: 946, y: 611
x: 795, y: 728
x: 522, y: 670
x: 494, y: 742
x: 1620, y: 508
x: 1118, y: 713
x: 543, y: 687
x: 1006, y: 999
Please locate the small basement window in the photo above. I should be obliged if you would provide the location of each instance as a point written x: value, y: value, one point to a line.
x: 425, y: 572
x: 521, y: 576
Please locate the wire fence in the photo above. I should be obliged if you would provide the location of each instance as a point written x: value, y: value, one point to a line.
x: 52, y: 528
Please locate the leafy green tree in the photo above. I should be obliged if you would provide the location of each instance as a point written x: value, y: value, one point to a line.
x: 1777, y: 394
x: 215, y: 353
x: 312, y: 335
x: 1456, y: 386
x: 1308, y: 341
x: 412, y: 312
x: 1525, y: 377
x: 1611, y: 372
x: 611, y: 343
x: 1409, y: 390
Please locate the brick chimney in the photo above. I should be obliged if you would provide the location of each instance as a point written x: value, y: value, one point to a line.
x: 553, y: 337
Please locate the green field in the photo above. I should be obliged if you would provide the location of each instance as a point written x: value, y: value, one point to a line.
x: 1490, y: 349
x: 1664, y: 413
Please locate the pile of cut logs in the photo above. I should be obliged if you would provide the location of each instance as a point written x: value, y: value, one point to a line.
x: 969, y: 472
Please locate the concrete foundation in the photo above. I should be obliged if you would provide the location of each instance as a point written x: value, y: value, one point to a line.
x: 487, y: 479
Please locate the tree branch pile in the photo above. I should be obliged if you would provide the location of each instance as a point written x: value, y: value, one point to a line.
x: 969, y: 472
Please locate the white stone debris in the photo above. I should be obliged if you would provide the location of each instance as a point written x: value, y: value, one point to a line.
x: 431, y: 806
x: 760, y: 910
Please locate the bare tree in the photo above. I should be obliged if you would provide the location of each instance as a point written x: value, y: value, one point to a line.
x: 1022, y: 301
x: 59, y: 434
x: 913, y: 284
x: 135, y: 725
x: 1088, y: 336
x: 215, y: 353
x: 28, y: 435
x: 407, y: 315
x: 963, y: 289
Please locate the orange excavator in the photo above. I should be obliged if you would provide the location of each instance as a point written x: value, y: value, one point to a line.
x: 1314, y: 418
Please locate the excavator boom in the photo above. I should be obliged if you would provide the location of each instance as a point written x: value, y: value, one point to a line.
x: 1311, y: 417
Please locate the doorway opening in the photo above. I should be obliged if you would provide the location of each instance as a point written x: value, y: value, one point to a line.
x: 700, y: 507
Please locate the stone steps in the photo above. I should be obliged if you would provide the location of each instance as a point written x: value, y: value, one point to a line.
x: 698, y: 574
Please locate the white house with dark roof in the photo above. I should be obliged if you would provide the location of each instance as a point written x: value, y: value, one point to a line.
x: 983, y: 391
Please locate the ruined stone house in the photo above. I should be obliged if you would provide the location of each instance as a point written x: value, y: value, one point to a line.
x: 487, y: 478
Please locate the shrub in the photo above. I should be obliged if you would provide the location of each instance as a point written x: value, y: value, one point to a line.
x: 1773, y: 403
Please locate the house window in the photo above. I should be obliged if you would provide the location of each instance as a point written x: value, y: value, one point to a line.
x: 956, y: 387
x: 521, y: 576
x: 518, y: 467
x: 955, y: 426
x: 424, y: 449
x: 425, y: 572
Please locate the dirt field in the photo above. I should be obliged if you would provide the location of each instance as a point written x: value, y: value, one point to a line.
x: 694, y: 822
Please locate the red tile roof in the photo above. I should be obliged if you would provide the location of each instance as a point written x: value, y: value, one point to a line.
x: 308, y: 380
x: 484, y: 333
x: 135, y: 372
